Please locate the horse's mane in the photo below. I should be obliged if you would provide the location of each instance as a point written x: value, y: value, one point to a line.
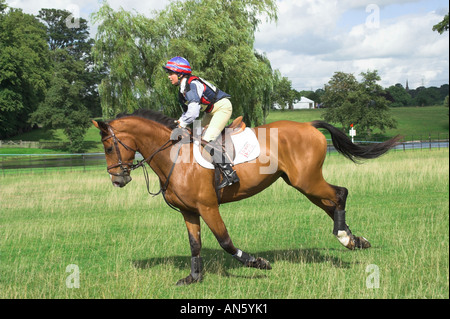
x: 152, y: 115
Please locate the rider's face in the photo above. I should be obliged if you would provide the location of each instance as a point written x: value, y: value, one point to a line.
x: 173, y: 77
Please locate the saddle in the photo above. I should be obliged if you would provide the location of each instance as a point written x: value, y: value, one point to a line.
x: 236, y: 127
x: 239, y: 145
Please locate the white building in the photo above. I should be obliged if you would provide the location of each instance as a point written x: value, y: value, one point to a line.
x: 304, y: 103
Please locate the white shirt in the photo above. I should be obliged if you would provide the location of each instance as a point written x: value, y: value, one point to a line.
x: 194, y: 98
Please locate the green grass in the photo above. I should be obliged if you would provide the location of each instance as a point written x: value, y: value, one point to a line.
x: 420, y: 121
x: 17, y: 150
x: 130, y: 245
x: 413, y: 123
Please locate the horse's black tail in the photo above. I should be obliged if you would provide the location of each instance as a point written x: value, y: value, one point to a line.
x: 352, y: 151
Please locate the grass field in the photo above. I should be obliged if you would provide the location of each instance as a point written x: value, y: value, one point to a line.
x: 412, y: 122
x: 127, y: 244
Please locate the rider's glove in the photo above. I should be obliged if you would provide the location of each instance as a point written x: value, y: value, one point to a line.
x: 180, y: 134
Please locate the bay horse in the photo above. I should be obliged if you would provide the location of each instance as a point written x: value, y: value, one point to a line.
x: 297, y: 149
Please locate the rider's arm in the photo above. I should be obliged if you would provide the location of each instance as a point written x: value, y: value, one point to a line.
x: 193, y: 97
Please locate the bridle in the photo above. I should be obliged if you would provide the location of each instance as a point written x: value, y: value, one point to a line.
x: 127, y: 167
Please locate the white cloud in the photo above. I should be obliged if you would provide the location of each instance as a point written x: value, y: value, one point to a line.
x: 405, y: 37
x: 305, y: 71
x: 309, y: 44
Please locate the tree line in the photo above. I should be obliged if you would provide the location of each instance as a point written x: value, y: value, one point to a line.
x: 398, y: 95
x: 47, y: 73
x: 52, y: 73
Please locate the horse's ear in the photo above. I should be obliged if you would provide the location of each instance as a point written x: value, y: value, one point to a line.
x: 102, y: 126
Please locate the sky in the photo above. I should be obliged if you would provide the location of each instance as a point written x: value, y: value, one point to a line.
x: 313, y: 39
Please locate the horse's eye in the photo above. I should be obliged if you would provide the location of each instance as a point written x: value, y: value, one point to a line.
x: 109, y: 150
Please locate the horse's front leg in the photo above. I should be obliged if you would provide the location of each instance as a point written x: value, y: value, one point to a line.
x: 212, y: 218
x: 192, y: 221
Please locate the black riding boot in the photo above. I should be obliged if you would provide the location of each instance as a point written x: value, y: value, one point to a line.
x: 229, y: 175
x: 219, y: 160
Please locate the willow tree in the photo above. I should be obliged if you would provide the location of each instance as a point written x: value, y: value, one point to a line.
x: 216, y: 36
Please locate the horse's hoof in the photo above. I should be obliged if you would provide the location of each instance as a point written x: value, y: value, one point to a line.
x: 353, y: 242
x: 189, y: 280
x: 259, y: 263
x: 362, y: 243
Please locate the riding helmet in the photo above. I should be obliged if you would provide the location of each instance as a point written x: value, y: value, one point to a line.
x: 178, y: 65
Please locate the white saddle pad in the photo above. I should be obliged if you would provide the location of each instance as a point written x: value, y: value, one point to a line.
x: 245, y: 144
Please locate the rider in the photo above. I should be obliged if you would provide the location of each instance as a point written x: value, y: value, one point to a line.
x: 197, y: 95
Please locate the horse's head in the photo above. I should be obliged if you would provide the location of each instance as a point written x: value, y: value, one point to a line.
x: 119, y: 155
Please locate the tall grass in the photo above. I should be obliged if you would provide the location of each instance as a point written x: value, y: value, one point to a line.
x: 130, y: 245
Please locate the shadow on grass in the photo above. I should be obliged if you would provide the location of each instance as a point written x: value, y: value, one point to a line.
x: 219, y: 262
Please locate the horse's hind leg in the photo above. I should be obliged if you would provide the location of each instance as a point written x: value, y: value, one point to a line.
x: 332, y: 200
x: 336, y: 210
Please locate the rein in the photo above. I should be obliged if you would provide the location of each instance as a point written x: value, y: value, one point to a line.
x: 128, y: 167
